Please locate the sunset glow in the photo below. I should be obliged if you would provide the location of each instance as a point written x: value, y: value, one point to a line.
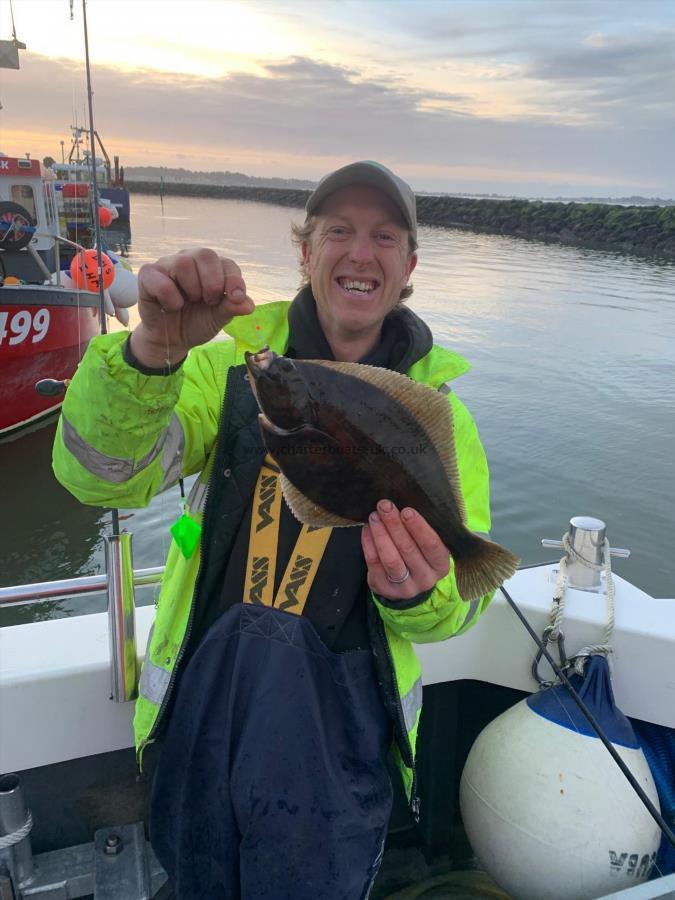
x: 486, y: 96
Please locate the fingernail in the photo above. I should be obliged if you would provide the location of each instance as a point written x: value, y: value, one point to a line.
x: 374, y: 517
x: 237, y: 294
x: 385, y: 506
x: 408, y: 514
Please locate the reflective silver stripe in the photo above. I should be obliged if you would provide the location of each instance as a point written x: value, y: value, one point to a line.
x: 172, y: 453
x: 412, y: 704
x: 112, y: 468
x: 154, y: 681
x: 197, y: 497
x: 445, y: 389
x: 471, y: 614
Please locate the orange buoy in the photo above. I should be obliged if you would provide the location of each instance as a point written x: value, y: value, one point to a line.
x: 84, y: 270
x: 105, y: 217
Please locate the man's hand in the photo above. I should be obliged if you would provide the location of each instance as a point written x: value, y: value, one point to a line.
x: 395, y: 543
x: 185, y: 300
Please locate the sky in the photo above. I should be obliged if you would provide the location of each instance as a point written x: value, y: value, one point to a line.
x: 527, y: 97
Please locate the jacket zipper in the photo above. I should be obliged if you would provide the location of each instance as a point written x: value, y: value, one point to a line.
x: 414, y: 799
x: 217, y: 465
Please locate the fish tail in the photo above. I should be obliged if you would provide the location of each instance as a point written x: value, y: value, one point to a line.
x: 481, y: 566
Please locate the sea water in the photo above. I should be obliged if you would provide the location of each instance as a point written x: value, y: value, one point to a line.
x: 573, y: 368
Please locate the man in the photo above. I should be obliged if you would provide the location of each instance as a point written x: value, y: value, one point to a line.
x: 275, y: 727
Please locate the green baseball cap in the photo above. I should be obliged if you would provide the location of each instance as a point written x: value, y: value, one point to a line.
x: 375, y: 175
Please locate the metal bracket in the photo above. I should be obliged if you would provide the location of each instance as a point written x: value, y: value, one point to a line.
x: 121, y: 864
x: 118, y: 865
x: 546, y: 640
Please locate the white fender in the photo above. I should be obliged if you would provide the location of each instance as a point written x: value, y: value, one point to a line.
x: 549, y: 813
x: 109, y: 308
x: 122, y: 315
x: 124, y: 288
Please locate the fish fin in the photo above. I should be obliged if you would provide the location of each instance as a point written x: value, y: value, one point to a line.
x: 309, y: 512
x: 481, y: 566
x: 430, y: 407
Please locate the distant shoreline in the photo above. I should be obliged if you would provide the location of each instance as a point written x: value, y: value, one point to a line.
x: 645, y: 230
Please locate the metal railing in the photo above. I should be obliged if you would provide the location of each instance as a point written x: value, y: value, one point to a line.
x: 118, y: 583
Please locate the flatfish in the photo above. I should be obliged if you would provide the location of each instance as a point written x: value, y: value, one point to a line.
x: 346, y: 436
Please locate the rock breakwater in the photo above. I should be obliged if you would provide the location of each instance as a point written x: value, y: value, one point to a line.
x: 647, y: 230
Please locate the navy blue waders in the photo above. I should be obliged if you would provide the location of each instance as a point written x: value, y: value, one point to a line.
x: 273, y: 780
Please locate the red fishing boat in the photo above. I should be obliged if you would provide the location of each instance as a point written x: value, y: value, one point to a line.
x: 45, y: 326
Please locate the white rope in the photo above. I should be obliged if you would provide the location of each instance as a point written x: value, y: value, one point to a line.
x: 10, y: 839
x: 558, y: 610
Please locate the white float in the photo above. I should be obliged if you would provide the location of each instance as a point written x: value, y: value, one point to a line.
x: 124, y: 288
x: 549, y: 813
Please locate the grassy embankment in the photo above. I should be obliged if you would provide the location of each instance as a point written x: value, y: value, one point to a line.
x: 646, y: 230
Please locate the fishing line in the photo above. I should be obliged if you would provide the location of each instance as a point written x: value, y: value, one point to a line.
x: 651, y: 809
x: 163, y: 498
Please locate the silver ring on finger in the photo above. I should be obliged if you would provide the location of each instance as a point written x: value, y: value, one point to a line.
x: 406, y: 576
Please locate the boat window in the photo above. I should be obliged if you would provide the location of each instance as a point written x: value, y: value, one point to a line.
x: 51, y: 209
x: 23, y: 194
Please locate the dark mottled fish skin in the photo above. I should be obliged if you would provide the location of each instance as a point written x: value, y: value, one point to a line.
x: 362, y: 449
x: 345, y: 444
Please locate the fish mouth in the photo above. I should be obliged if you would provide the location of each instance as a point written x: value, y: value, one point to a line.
x: 260, y: 361
x: 358, y: 288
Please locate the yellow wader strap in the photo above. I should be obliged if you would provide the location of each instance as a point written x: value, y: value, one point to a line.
x: 263, y: 545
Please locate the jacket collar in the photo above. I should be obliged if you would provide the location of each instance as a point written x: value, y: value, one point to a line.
x: 268, y: 324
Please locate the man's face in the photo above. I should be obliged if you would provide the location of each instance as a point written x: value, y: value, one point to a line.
x: 357, y: 260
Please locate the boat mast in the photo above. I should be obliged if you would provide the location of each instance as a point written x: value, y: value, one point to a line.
x: 94, y: 187
x: 92, y: 143
x: 119, y: 563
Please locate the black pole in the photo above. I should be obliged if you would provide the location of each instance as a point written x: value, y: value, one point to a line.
x: 651, y: 809
x: 97, y: 226
x: 92, y: 144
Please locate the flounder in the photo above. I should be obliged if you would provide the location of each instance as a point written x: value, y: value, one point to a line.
x: 347, y: 435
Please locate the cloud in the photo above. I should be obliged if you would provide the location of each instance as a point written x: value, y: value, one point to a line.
x: 616, y: 79
x: 603, y: 56
x: 316, y: 111
x: 592, y: 56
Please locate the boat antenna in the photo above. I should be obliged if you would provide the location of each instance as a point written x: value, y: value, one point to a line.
x: 97, y: 224
x: 592, y: 721
x: 11, y: 12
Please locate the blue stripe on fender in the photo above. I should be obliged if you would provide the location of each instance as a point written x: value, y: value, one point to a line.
x: 595, y: 689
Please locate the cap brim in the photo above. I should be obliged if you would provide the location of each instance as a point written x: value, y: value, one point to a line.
x: 366, y: 174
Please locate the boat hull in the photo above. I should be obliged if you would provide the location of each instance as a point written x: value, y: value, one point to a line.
x: 43, y: 333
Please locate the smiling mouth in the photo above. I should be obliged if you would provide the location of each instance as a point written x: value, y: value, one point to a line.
x: 358, y: 287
